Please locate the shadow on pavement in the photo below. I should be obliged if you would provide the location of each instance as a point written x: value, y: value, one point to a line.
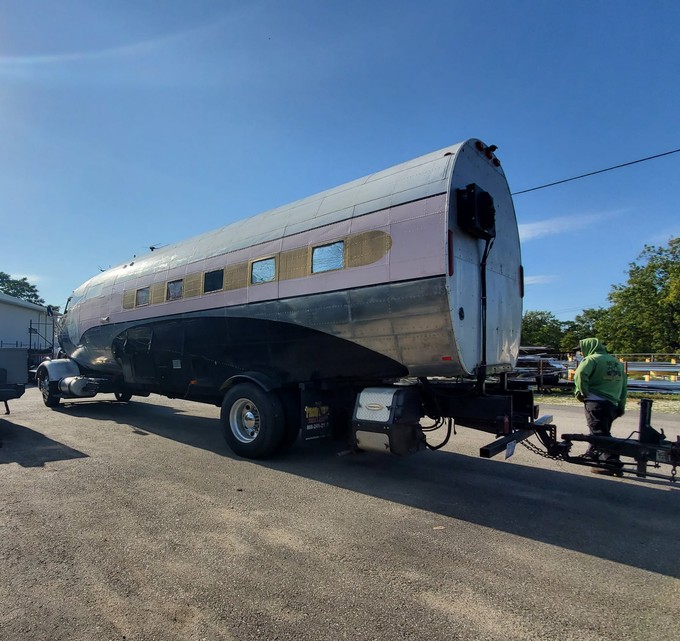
x: 612, y: 519
x: 145, y: 418
x: 28, y: 448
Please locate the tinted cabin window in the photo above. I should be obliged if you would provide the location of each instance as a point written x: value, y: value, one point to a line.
x: 175, y: 290
x: 263, y: 271
x: 213, y: 281
x: 142, y: 297
x: 328, y: 257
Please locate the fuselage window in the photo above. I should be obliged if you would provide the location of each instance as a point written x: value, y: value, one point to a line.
x: 327, y: 258
x: 142, y: 297
x: 263, y: 271
x: 175, y: 290
x: 213, y: 281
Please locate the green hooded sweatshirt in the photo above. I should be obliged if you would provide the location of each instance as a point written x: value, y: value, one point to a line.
x: 601, y: 374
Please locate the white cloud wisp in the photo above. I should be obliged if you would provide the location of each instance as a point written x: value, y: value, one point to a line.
x: 560, y: 225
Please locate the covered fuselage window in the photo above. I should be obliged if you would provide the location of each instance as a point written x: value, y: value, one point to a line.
x: 326, y: 258
x: 213, y: 281
x: 142, y: 297
x: 263, y: 271
x: 175, y: 290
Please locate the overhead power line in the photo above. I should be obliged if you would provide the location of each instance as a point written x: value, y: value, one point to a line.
x: 599, y: 171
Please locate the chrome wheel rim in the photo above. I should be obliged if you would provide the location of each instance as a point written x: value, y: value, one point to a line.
x: 44, y: 385
x: 244, y: 420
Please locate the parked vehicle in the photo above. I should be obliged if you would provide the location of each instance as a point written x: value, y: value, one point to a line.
x: 540, y: 369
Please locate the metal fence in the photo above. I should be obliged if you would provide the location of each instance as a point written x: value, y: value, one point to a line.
x: 40, y: 339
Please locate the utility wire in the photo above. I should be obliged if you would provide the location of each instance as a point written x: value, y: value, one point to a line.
x: 600, y: 171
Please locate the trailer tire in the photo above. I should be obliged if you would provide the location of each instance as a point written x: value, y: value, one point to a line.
x: 253, y: 421
x: 50, y: 399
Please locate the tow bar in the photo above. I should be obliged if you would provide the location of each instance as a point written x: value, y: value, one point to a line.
x: 650, y: 448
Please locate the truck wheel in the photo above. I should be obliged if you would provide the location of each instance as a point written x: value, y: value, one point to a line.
x: 253, y: 421
x: 50, y: 399
x: 122, y: 397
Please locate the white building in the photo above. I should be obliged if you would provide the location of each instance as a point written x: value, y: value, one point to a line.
x: 25, y: 325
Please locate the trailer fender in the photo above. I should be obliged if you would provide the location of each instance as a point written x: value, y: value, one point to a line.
x: 266, y: 382
x: 58, y: 368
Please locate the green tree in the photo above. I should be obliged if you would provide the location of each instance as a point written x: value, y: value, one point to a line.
x: 541, y: 328
x: 590, y: 322
x: 19, y: 288
x: 644, y: 315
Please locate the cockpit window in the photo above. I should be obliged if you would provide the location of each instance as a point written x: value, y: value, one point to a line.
x: 94, y: 291
x: 72, y: 302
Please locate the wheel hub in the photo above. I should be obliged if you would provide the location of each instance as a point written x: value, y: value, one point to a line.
x: 249, y: 420
x: 244, y: 420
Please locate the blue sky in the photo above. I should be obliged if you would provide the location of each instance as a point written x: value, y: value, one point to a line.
x: 131, y: 123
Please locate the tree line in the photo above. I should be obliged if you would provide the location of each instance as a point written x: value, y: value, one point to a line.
x: 23, y: 289
x: 20, y: 288
x: 643, y: 316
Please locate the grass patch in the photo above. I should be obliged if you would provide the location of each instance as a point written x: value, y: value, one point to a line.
x: 663, y: 403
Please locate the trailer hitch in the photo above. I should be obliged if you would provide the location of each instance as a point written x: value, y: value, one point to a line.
x: 542, y: 427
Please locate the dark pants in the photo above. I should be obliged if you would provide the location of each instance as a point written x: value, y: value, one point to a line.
x: 599, y: 416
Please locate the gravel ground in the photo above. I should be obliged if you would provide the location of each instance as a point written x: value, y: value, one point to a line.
x: 134, y: 522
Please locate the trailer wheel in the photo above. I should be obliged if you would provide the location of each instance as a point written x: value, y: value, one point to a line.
x: 50, y: 399
x: 253, y: 421
x: 122, y: 397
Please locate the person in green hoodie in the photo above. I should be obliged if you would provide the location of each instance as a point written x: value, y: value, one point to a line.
x: 601, y: 385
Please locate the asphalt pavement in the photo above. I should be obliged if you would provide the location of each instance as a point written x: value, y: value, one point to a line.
x: 133, y: 521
